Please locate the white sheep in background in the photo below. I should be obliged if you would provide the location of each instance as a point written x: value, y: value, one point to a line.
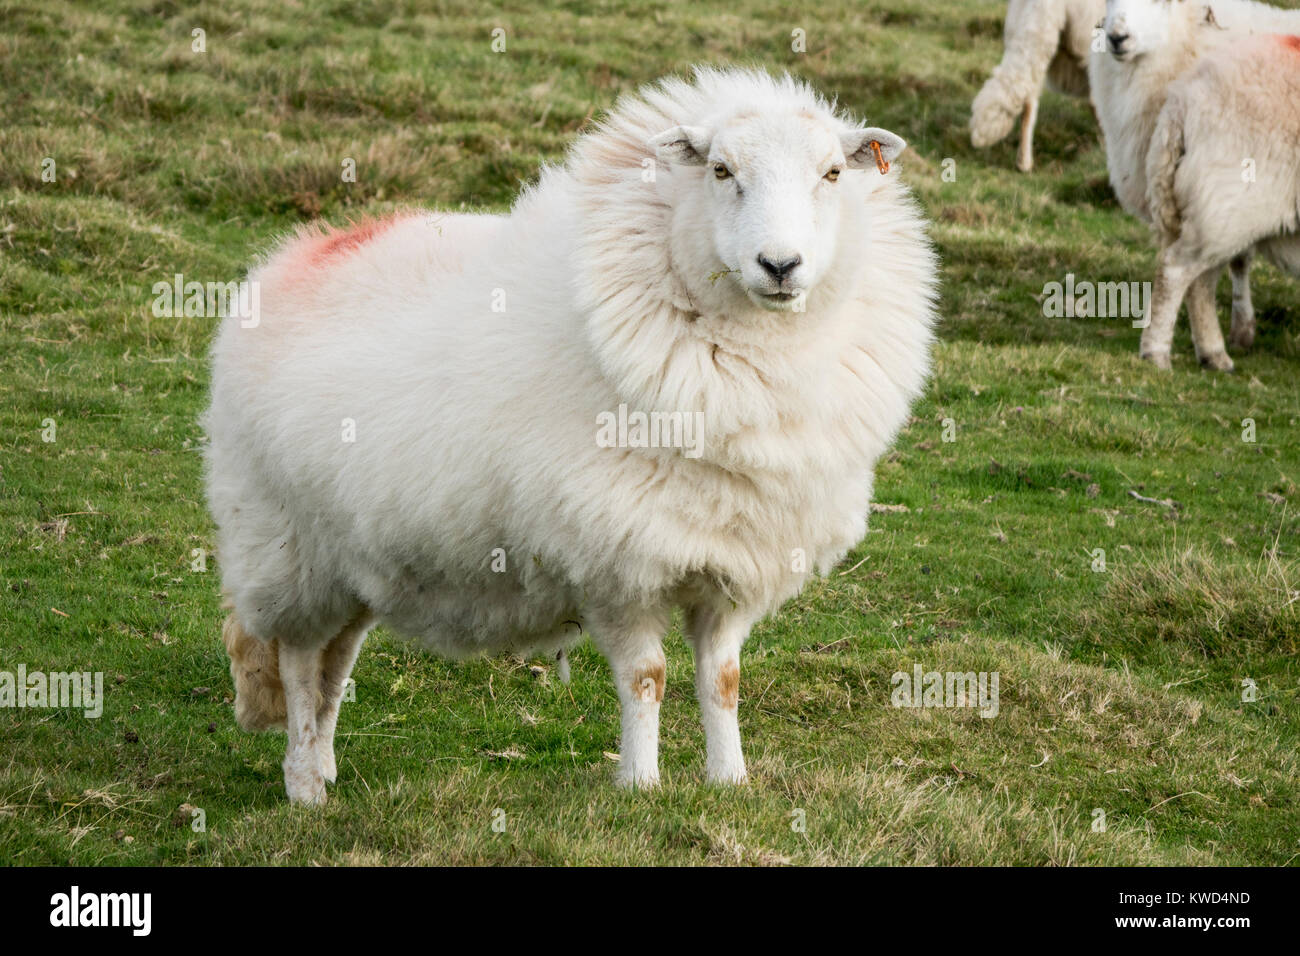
x: 410, y: 430
x: 1045, y: 41
x: 1150, y: 44
x: 1240, y: 104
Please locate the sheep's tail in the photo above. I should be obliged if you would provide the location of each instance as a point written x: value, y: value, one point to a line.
x: 255, y: 668
x: 1033, y: 35
x: 1163, y: 158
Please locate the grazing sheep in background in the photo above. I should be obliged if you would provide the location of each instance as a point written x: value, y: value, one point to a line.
x: 1238, y: 104
x: 1046, y: 41
x: 411, y: 430
x: 1150, y: 44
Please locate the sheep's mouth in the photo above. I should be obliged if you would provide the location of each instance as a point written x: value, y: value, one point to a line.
x: 777, y: 301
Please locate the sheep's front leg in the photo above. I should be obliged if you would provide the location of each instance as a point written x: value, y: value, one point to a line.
x: 633, y: 645
x: 716, y: 637
x: 1172, y: 281
x: 1203, y: 316
x: 300, y: 674
x: 1242, y: 333
x: 1025, y: 157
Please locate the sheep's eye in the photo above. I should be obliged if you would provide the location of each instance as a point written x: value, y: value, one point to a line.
x: 833, y: 174
x: 721, y: 171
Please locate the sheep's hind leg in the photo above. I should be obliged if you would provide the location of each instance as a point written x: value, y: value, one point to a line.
x: 716, y: 638
x: 1203, y: 316
x: 1028, y: 119
x: 633, y: 645
x: 300, y: 670
x: 1242, y: 333
x: 337, y: 661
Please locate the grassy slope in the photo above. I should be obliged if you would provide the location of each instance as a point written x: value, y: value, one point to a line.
x: 1120, y: 690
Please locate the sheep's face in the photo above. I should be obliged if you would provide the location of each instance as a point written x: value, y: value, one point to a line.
x: 1134, y: 27
x: 771, y: 193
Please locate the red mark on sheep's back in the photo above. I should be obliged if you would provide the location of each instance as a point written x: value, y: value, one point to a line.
x: 334, y: 243
x: 1291, y: 43
x: 317, y: 248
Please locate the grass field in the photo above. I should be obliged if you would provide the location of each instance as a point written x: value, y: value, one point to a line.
x: 1121, y: 689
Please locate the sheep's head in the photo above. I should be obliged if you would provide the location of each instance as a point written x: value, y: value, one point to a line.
x: 1134, y: 27
x: 771, y: 192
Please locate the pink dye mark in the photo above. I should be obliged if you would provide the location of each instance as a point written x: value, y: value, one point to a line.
x: 340, y: 242
x: 314, y: 249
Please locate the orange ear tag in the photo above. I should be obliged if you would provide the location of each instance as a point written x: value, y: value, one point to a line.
x: 881, y: 164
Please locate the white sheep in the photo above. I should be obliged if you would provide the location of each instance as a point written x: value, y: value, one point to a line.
x: 1223, y: 178
x: 419, y: 426
x: 1045, y: 42
x: 1150, y: 44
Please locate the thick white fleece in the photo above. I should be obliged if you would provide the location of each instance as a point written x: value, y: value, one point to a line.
x: 475, y: 427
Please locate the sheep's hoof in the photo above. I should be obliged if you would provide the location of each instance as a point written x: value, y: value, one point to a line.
x: 1217, y: 362
x: 307, y: 795
x: 1160, y: 360
x: 303, y: 781
x: 726, y: 778
x: 646, y: 780
x: 1241, y: 337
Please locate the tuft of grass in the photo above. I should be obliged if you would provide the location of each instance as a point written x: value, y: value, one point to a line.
x: 1203, y: 603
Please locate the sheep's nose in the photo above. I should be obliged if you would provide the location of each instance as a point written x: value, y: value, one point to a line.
x: 779, y: 270
x: 1117, y: 40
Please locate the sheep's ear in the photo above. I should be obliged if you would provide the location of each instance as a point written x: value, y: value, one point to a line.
x: 860, y: 154
x: 688, y: 145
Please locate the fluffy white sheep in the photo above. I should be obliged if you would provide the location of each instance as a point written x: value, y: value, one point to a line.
x: 1150, y: 44
x: 1044, y: 41
x: 416, y: 428
x: 1223, y: 177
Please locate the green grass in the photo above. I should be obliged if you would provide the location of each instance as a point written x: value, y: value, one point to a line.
x: 1120, y: 690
